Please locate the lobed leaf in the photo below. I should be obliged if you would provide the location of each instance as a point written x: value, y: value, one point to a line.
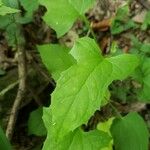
x: 81, y: 88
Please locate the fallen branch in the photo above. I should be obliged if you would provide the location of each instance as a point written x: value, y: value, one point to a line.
x: 20, y: 93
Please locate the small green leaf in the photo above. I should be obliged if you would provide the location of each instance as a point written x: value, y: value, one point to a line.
x: 144, y: 95
x: 61, y: 14
x: 122, y: 22
x: 35, y: 123
x: 4, y: 10
x: 81, y: 88
x: 105, y: 127
x: 30, y: 7
x: 130, y: 133
x: 4, y: 143
x: 146, y: 22
x: 76, y: 140
x: 56, y: 58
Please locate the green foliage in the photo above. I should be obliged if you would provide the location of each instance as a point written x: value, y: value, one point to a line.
x: 146, y: 22
x: 30, y: 7
x: 4, y: 10
x: 61, y: 17
x: 35, y: 123
x: 142, y: 73
x: 93, y: 140
x: 81, y: 88
x: 12, y: 19
x: 82, y: 77
x: 130, y: 133
x: 56, y: 58
x: 122, y: 22
x: 4, y: 143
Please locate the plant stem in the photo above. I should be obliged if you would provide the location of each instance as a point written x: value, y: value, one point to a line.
x: 11, y: 86
x: 116, y: 111
x: 89, y: 27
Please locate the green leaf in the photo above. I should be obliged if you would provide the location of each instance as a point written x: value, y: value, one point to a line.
x: 105, y: 127
x: 130, y: 133
x: 122, y: 22
x: 144, y: 94
x: 4, y: 143
x: 30, y: 7
x: 77, y: 140
x: 56, y: 58
x: 146, y: 22
x: 81, y: 5
x: 4, y: 10
x: 35, y: 123
x: 81, y: 88
x: 61, y: 14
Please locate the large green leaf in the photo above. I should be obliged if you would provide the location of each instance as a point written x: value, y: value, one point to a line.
x: 81, y: 88
x: 56, y: 58
x: 35, y: 123
x: 4, y: 143
x: 61, y: 14
x: 130, y: 133
x: 77, y: 140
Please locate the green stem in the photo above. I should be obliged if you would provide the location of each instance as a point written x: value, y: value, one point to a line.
x: 116, y: 111
x: 89, y: 27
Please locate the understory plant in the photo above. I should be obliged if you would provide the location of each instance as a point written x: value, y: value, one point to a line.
x: 82, y: 75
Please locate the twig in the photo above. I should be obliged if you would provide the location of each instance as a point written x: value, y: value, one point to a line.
x: 89, y: 27
x: 34, y: 95
x: 116, y: 111
x: 144, y: 4
x: 20, y: 93
x: 9, y: 87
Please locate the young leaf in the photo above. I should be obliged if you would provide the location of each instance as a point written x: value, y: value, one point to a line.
x: 35, y: 123
x: 146, y: 22
x: 105, y: 126
x: 61, y: 14
x: 30, y: 7
x: 56, y: 58
x: 144, y: 68
x: 81, y: 88
x: 4, y: 10
x: 130, y: 133
x: 122, y: 22
x: 77, y: 140
x: 4, y: 143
